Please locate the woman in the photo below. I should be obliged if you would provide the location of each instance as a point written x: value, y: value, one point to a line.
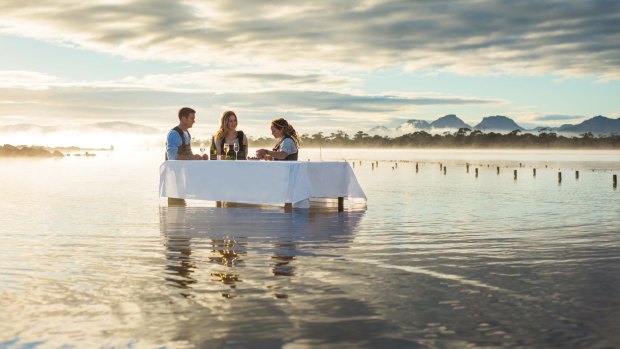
x: 288, y: 142
x: 228, y: 134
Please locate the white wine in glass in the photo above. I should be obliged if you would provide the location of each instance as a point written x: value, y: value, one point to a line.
x: 236, y: 149
x: 202, y: 148
x: 225, y: 150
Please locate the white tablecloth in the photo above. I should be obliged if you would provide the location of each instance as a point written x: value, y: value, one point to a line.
x: 258, y: 182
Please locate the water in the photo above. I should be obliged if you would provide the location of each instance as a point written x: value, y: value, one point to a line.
x: 90, y: 256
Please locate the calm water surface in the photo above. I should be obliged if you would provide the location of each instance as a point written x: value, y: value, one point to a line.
x: 90, y: 256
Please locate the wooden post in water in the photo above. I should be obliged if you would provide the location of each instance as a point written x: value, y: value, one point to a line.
x: 467, y: 167
x: 373, y: 166
x: 476, y: 172
x: 353, y: 164
x: 444, y: 170
x: 397, y: 165
x: 340, y: 204
x: 440, y: 166
x: 576, y: 174
x: 497, y: 169
x: 416, y: 167
x: 534, y: 172
x: 615, y: 180
x: 559, y: 177
x: 515, y: 175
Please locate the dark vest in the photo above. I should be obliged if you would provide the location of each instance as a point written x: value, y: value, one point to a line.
x: 290, y: 157
x: 241, y: 153
x: 184, y: 149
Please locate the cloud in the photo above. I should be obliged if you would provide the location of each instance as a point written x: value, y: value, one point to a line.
x: 565, y: 37
x: 157, y: 108
x: 27, y: 79
x: 556, y: 117
x: 239, y: 80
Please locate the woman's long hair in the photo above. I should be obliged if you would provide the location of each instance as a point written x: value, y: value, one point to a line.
x: 287, y: 129
x: 223, y: 130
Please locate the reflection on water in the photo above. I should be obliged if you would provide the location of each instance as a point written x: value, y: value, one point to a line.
x: 218, y: 240
x: 283, y: 258
x: 180, y: 265
x: 89, y: 259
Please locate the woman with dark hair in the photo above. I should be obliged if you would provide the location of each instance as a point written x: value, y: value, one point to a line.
x: 288, y: 142
x: 228, y: 134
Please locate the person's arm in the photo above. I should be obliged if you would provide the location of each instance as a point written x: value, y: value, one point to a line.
x: 173, y: 144
x: 276, y: 154
x: 287, y: 147
x: 261, y: 153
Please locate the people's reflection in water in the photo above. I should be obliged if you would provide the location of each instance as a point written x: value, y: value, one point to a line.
x: 179, y: 266
x: 282, y: 258
x: 227, y: 252
x: 202, y: 238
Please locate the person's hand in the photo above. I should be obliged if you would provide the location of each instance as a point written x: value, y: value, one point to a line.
x: 261, y: 153
x: 205, y: 156
x: 223, y: 157
x: 196, y: 157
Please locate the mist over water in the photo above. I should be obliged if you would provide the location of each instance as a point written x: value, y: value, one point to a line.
x: 90, y: 256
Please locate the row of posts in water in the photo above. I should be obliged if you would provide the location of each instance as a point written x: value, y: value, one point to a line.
x: 444, y: 169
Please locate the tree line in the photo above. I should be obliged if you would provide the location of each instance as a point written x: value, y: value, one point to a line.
x: 463, y: 138
x: 8, y: 150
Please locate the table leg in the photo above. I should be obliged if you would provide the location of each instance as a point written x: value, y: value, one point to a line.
x: 288, y: 207
x: 176, y: 202
x: 340, y: 204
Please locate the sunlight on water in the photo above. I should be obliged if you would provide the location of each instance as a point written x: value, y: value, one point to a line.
x: 90, y: 256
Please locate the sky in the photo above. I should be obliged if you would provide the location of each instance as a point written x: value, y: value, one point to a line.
x: 80, y: 71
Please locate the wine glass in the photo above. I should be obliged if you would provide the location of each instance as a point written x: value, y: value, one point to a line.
x: 202, y: 148
x: 225, y: 150
x: 236, y: 149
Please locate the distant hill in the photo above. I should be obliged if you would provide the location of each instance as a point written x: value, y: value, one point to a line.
x: 449, y: 121
x: 498, y: 123
x: 597, y: 125
x: 417, y: 124
x: 380, y: 131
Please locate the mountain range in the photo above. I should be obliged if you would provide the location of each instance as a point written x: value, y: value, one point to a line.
x: 598, y: 125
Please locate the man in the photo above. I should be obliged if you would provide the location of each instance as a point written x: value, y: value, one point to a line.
x: 178, y: 142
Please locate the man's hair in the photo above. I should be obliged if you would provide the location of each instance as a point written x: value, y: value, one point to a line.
x: 184, y: 112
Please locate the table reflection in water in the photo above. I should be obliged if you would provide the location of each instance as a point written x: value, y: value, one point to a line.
x: 233, y: 250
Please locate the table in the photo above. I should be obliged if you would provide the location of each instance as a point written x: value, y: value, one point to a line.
x: 259, y: 182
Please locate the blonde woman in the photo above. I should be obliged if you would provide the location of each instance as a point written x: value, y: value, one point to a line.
x: 287, y: 147
x: 228, y: 134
